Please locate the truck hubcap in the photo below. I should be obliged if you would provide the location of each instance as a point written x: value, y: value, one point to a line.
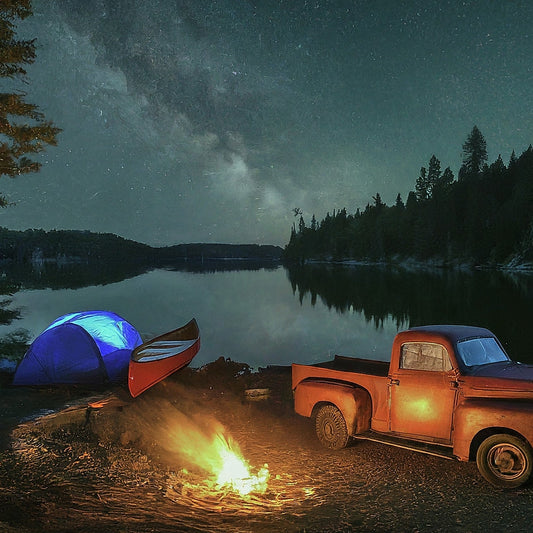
x: 329, y: 430
x: 507, y: 461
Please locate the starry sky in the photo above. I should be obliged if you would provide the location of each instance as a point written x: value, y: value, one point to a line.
x: 209, y: 121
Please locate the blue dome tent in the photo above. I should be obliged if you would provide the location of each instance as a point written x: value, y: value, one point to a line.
x: 91, y: 348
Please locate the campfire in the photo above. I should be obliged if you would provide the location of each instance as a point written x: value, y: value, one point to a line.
x: 220, y: 457
x: 204, y: 449
x: 212, y: 473
x: 207, y: 469
x: 234, y: 471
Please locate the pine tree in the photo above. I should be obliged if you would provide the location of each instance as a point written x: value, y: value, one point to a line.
x: 24, y: 131
x: 474, y: 154
x: 301, y: 225
x: 422, y: 186
x: 399, y: 202
x: 443, y: 184
x: 378, y: 202
x: 498, y: 167
x: 433, y: 174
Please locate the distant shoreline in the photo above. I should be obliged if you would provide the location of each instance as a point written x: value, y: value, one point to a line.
x: 429, y: 264
x: 37, y: 246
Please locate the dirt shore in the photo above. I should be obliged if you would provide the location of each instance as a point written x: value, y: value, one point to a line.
x: 110, y: 463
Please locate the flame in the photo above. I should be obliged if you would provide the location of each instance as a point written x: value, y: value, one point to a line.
x: 235, y: 472
x: 201, y: 441
x: 206, y: 444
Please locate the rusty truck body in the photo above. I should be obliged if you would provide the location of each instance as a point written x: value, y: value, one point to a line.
x: 448, y: 390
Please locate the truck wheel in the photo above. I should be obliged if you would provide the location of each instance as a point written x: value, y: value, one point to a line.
x: 505, y: 461
x: 330, y: 428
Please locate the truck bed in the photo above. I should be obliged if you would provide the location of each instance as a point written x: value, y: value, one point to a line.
x: 359, y: 366
x: 366, y: 374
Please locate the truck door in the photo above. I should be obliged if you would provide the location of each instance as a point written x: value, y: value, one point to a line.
x: 423, y: 392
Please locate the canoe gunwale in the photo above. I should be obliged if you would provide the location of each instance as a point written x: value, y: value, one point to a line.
x: 188, y: 332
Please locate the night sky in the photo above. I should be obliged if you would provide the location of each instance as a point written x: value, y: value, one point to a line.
x: 209, y: 121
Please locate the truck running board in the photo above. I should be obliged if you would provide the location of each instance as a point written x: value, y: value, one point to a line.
x: 437, y: 450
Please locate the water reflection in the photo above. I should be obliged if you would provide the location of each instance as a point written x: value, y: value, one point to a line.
x: 252, y: 315
x: 496, y: 300
x: 76, y: 275
x: 249, y: 315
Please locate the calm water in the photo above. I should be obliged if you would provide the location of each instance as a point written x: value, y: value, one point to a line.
x: 276, y: 316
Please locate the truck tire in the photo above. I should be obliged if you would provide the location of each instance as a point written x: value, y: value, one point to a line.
x: 330, y: 428
x: 505, y: 461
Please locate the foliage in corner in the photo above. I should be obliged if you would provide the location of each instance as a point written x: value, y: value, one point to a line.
x: 24, y: 130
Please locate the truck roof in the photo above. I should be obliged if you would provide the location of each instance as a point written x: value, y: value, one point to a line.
x: 455, y: 333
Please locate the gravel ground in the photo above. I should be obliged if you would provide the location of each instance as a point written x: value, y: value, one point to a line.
x: 120, y: 466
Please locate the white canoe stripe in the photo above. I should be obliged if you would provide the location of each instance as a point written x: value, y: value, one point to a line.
x: 163, y: 349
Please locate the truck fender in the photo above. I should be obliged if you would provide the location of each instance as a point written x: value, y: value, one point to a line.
x: 477, y: 419
x: 353, y: 402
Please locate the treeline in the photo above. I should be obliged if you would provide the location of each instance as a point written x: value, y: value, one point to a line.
x: 36, y: 246
x: 484, y: 217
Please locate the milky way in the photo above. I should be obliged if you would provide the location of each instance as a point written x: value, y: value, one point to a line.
x: 194, y: 120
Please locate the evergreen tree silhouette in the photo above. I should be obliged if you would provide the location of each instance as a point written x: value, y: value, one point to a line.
x: 24, y: 131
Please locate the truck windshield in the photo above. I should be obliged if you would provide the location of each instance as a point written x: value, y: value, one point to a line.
x: 481, y: 351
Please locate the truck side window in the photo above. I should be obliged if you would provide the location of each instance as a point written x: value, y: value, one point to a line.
x: 424, y: 356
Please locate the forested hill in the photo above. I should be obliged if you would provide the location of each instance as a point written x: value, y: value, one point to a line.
x: 485, y: 217
x: 67, y: 246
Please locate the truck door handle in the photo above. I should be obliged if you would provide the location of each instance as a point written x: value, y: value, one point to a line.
x: 394, y: 382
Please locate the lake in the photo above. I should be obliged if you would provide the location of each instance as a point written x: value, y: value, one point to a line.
x: 275, y: 316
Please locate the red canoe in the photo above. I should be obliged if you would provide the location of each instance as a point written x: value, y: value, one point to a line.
x: 156, y: 359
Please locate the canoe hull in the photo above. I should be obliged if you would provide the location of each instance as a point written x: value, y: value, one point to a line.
x: 158, y: 358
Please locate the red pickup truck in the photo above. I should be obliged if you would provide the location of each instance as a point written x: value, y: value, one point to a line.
x: 450, y: 391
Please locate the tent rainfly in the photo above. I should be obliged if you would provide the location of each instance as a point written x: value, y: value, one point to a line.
x: 92, y: 347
